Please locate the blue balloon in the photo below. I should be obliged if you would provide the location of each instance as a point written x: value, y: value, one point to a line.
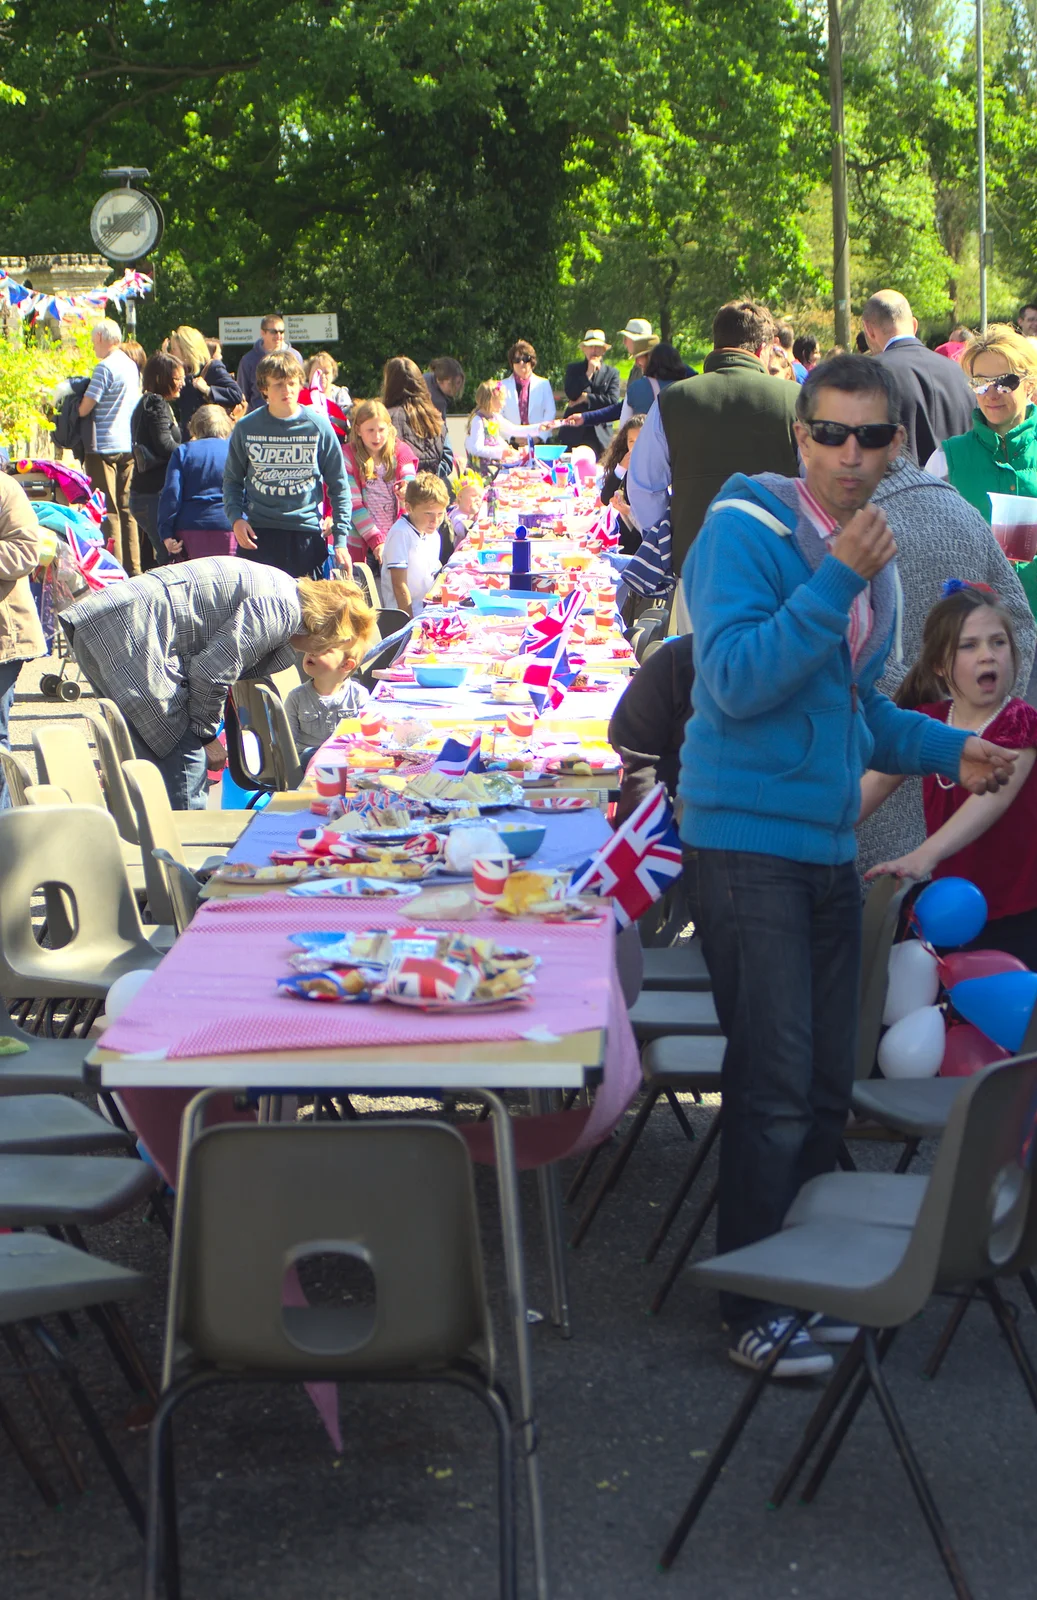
x: 999, y: 1006
x: 951, y: 912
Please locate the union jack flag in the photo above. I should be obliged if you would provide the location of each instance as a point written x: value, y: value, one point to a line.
x: 548, y: 674
x: 456, y: 760
x: 97, y: 565
x: 639, y: 862
x: 560, y: 620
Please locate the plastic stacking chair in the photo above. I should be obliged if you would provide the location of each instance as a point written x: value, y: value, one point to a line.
x: 977, y: 1222
x: 243, y: 712
x: 55, y: 1124
x: 43, y: 1277
x: 666, y: 1062
x: 118, y: 727
x: 156, y: 830
x: 64, y: 761
x: 16, y: 775
x: 194, y: 828
x: 389, y: 622
x: 287, y: 679
x: 182, y: 889
x: 363, y: 577
x: 284, y: 756
x: 678, y: 967
x: 397, y: 1198
x: 46, y: 794
x: 78, y: 849
x: 44, y: 1066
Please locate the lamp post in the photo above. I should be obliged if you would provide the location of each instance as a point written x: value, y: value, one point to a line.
x: 981, y: 153
x: 840, y: 218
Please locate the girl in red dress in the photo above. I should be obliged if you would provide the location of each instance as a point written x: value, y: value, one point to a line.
x: 964, y: 677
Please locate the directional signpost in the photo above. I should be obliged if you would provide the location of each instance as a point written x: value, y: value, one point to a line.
x: 320, y: 328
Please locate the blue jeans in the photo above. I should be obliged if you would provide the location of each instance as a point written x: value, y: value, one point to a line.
x: 183, y: 770
x: 9, y: 671
x: 781, y: 940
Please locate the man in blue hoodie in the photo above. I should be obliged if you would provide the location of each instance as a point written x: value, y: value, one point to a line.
x: 794, y: 599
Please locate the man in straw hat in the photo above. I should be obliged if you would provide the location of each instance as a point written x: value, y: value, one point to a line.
x: 589, y: 385
x: 637, y: 329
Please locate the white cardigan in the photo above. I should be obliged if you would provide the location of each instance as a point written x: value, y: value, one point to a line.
x: 541, y: 403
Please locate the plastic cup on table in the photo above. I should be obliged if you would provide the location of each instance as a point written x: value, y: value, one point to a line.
x: 521, y: 723
x: 489, y: 875
x: 371, y: 723
x: 331, y: 779
x: 1014, y: 522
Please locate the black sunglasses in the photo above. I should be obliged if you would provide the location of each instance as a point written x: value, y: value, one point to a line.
x: 869, y: 435
x: 1006, y: 384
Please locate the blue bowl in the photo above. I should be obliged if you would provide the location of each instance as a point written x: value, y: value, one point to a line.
x: 550, y: 452
x: 522, y: 841
x: 510, y: 603
x: 440, y: 677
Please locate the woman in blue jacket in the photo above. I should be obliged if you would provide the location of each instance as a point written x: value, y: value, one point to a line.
x: 191, y: 520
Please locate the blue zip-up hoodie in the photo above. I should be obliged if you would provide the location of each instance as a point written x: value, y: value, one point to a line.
x: 784, y: 724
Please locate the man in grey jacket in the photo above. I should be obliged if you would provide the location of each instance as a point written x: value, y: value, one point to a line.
x: 938, y: 535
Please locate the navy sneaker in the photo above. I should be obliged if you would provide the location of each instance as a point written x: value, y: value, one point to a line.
x: 824, y: 1329
x: 802, y: 1358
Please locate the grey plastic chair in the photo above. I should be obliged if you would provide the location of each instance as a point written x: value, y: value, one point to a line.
x: 156, y: 830
x: 55, y: 1124
x: 284, y: 756
x: 398, y: 1198
x: 194, y: 828
x: 183, y: 890
x: 44, y: 1277
x: 977, y: 1221
x: 45, y: 1066
x: 64, y: 761
x: 118, y: 727
x: 16, y: 775
x: 77, y: 848
x: 680, y: 967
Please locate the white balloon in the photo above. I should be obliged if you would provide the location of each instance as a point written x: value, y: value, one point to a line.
x: 914, y: 1046
x: 123, y: 990
x: 914, y: 980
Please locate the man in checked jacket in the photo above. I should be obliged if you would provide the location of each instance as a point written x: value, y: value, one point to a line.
x: 167, y: 646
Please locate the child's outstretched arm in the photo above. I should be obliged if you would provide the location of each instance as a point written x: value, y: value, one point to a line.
x: 875, y: 788
x: 968, y: 824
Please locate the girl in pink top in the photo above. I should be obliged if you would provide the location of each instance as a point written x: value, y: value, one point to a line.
x: 378, y: 465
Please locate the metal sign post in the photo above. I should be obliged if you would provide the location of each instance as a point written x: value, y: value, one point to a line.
x: 126, y: 224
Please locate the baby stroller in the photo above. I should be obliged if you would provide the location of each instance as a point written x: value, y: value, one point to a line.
x: 74, y: 563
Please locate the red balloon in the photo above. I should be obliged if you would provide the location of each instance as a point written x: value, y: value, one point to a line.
x: 961, y: 964
x: 967, y: 1049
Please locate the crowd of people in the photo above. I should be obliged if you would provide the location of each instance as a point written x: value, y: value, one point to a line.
x: 842, y: 694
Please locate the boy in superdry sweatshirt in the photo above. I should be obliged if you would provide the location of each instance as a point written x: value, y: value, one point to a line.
x: 281, y: 460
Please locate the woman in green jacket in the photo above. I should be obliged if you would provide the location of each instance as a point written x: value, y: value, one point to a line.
x: 999, y: 454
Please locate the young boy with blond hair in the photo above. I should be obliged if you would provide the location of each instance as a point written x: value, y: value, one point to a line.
x: 282, y: 458
x: 410, y: 555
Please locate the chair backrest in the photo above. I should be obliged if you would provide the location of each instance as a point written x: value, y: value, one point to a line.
x: 46, y: 794
x: 630, y: 962
x: 113, y: 779
x: 242, y: 774
x: 79, y: 852
x: 284, y: 756
x: 156, y: 829
x: 363, y: 577
x: 63, y: 758
x: 251, y: 714
x: 978, y: 1218
x: 183, y: 890
x: 397, y: 1197
x: 879, y: 923
x: 389, y: 622
x: 118, y: 727
x: 286, y: 680
x: 16, y: 775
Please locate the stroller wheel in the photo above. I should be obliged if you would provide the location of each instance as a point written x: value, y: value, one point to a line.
x: 68, y: 691
x: 50, y: 685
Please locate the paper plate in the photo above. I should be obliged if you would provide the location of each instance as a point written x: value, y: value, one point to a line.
x: 355, y: 889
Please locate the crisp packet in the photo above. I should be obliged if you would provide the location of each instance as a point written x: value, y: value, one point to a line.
x: 334, y: 986
x: 429, y: 978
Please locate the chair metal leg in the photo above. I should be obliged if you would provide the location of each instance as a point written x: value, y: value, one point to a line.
x: 734, y: 1430
x: 582, y: 1173
x: 907, y: 1155
x: 1029, y: 1283
x: 495, y: 1398
x: 1006, y: 1322
x: 679, y: 1112
x: 822, y: 1414
x: 22, y: 1449
x: 61, y: 1444
x: 687, y: 1245
x: 93, y: 1425
x: 615, y: 1167
x: 950, y: 1328
x: 916, y: 1477
x: 117, y: 1336
x: 549, y: 1187
x: 695, y: 1166
x: 844, y: 1422
x: 844, y: 1158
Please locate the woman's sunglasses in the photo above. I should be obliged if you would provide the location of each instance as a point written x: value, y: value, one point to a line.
x: 1006, y: 384
x: 522, y: 361
x: 869, y: 435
